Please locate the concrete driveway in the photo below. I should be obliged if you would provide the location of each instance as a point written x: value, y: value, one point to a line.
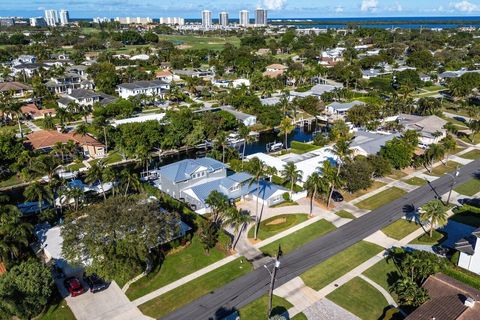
x: 111, y: 303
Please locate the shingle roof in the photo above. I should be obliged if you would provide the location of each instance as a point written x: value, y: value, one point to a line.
x: 181, y: 170
x: 8, y: 86
x: 371, y: 142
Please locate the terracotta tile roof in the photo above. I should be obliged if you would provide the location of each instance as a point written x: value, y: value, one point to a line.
x: 8, y: 86
x: 47, y: 138
x: 273, y: 74
x: 447, y: 300
x: 163, y: 73
x: 277, y: 66
x: 2, y: 268
x: 32, y: 109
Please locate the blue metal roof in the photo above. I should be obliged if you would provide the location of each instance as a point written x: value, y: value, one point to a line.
x: 182, y: 170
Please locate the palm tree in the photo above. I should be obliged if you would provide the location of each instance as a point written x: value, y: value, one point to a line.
x: 81, y: 129
x: 244, y: 133
x: 434, y: 152
x: 286, y: 127
x: 291, y: 173
x: 258, y: 170
x: 59, y: 150
x: 76, y: 194
x: 14, y: 233
x: 449, y: 144
x: 221, y: 140
x: 45, y: 165
x: 343, y: 151
x: 435, y: 212
x: 237, y: 219
x: 95, y: 175
x: 129, y: 179
x: 329, y: 173
x: 48, y: 122
x: 218, y: 203
x: 38, y: 192
x: 110, y: 175
x: 474, y: 126
x: 315, y: 184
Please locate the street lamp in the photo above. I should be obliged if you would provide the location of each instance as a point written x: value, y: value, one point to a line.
x: 454, y: 179
x: 273, y: 273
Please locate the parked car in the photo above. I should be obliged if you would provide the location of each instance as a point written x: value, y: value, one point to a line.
x: 74, y: 286
x: 337, y: 196
x: 95, y: 283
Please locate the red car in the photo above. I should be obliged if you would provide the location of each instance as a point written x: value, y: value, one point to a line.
x: 74, y: 286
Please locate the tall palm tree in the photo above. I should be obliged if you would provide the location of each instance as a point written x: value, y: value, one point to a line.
x: 95, y: 175
x: 435, y: 212
x: 221, y: 140
x: 218, y: 203
x: 237, y: 219
x: 449, y: 144
x: 59, y: 150
x: 14, y: 233
x: 38, y: 192
x: 314, y: 185
x: 291, y: 173
x: 329, y: 173
x: 129, y: 180
x: 286, y: 127
x: 48, y: 122
x: 81, y: 129
x: 45, y: 164
x: 110, y: 175
x: 258, y: 169
x: 244, y: 133
x: 343, y: 151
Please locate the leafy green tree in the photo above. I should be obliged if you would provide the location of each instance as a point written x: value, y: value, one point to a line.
x: 428, y: 106
x: 398, y: 152
x: 120, y: 235
x: 292, y: 174
x: 14, y: 234
x: 208, y: 234
x: 10, y: 149
x: 357, y: 174
x: 435, y: 212
x: 409, y: 293
x: 25, y: 290
x: 381, y: 166
x: 95, y: 174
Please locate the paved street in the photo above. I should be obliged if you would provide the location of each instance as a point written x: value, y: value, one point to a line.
x: 255, y: 284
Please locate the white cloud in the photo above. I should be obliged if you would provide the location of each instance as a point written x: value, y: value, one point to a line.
x: 396, y: 7
x: 369, y: 5
x: 274, y: 4
x: 465, y: 6
x: 339, y: 9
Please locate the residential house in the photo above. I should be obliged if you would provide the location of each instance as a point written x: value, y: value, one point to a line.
x: 341, y: 108
x: 373, y: 73
x: 245, y: 118
x: 425, y: 77
x: 430, y: 128
x: 196, y: 73
x: 44, y: 140
x: 147, y: 88
x: 444, y: 76
x: 449, y: 299
x: 28, y: 69
x: 81, y: 70
x: 84, y: 97
x: 31, y: 111
x: 166, y: 76
x: 275, y: 70
x: 367, y: 143
x: 68, y: 82
x: 469, y: 248
x: 23, y: 59
x: 18, y: 89
x: 143, y: 118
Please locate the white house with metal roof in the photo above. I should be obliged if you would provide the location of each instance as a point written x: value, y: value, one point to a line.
x: 469, y: 248
x: 366, y: 143
x: 341, y: 108
x: 147, y: 88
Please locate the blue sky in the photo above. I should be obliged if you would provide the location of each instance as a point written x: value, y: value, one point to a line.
x: 277, y: 8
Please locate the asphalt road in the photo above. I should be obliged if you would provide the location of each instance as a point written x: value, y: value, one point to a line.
x: 236, y: 294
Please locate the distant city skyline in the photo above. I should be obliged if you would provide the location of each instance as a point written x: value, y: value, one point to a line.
x: 276, y: 8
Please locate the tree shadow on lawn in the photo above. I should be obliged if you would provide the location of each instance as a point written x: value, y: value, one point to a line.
x: 225, y: 313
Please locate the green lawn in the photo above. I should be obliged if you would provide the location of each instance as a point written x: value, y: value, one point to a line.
x: 277, y: 224
x: 194, y: 289
x: 350, y: 196
x: 57, y: 310
x: 397, y: 174
x: 400, y: 229
x: 469, y: 188
x: 472, y: 155
x: 174, y: 267
x: 13, y: 180
x: 301, y: 147
x: 257, y: 310
x: 75, y: 166
x: 436, y: 238
x: 441, y: 169
x: 381, y: 199
x: 416, y: 181
x: 345, y: 214
x: 385, y: 273
x: 199, y: 42
x: 338, y: 265
x: 360, y: 298
x: 467, y: 215
x: 285, y: 204
x: 434, y: 88
x: 299, y: 238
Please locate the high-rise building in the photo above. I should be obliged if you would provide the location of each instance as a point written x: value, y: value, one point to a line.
x: 244, y: 18
x: 63, y: 17
x: 260, y: 17
x: 206, y: 18
x: 133, y: 20
x: 38, y: 22
x: 7, y: 22
x: 223, y: 18
x: 172, y: 21
x: 101, y: 20
x: 51, y: 17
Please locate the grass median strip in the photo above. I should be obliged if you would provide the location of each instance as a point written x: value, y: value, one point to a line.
x: 345, y: 214
x: 338, y: 265
x: 257, y: 310
x: 471, y: 155
x: 400, y: 229
x: 416, y: 181
x: 381, y: 199
x: 469, y: 188
x: 441, y: 169
x: 277, y: 224
x: 175, y: 266
x: 360, y: 298
x: 194, y: 289
x: 299, y: 237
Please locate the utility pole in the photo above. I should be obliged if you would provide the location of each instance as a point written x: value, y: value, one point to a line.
x: 273, y: 273
x: 454, y: 179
